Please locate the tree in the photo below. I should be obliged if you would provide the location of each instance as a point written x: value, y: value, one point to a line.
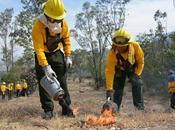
x: 172, y: 37
x: 93, y: 31
x: 170, y: 52
x: 5, y: 20
x: 80, y: 64
x: 111, y: 15
x: 159, y: 54
x: 160, y: 33
x: 23, y: 28
x: 21, y: 35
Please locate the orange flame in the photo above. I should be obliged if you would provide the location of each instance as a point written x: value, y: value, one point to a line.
x: 75, y: 110
x: 106, y: 118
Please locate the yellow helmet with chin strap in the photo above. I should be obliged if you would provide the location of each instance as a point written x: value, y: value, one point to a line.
x: 54, y: 9
x: 121, y: 37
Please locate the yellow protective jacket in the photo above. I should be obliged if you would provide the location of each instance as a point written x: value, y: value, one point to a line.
x: 10, y: 87
x: 3, y: 88
x: 24, y: 85
x: 39, y: 38
x: 18, y: 87
x: 134, y: 55
x: 171, y: 87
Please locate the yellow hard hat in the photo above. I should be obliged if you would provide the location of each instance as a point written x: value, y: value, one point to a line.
x: 121, y: 37
x: 54, y: 9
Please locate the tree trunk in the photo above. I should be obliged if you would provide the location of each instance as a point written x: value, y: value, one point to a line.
x: 6, y: 53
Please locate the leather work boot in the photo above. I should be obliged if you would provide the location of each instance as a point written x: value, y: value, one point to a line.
x: 48, y: 115
x: 70, y: 113
x: 67, y: 111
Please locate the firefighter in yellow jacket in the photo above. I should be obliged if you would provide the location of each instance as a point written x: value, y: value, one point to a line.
x: 3, y: 89
x: 18, y: 89
x: 51, y: 40
x: 10, y: 88
x: 24, y: 88
x: 125, y: 59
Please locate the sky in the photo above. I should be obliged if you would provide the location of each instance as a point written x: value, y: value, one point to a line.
x: 139, y: 15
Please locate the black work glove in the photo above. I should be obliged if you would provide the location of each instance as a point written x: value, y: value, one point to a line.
x: 109, y: 94
x: 136, y: 79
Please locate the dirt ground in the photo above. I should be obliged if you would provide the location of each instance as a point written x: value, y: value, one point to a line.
x: 24, y: 113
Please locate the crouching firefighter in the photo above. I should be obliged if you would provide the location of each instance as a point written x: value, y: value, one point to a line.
x: 125, y: 59
x: 50, y: 35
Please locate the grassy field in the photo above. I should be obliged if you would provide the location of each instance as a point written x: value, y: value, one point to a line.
x: 24, y: 113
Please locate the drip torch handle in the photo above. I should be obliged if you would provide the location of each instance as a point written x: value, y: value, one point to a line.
x: 56, y: 81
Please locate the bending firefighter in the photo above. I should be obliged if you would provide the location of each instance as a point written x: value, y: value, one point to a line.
x: 18, y: 89
x: 50, y: 35
x: 24, y: 85
x: 125, y: 59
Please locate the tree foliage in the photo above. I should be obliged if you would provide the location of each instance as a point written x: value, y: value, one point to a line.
x: 159, y: 53
x: 80, y: 64
x: 23, y: 27
x: 5, y: 20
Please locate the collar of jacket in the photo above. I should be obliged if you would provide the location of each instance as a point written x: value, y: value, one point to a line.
x: 131, y: 54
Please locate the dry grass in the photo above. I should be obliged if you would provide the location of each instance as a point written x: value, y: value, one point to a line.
x: 24, y: 113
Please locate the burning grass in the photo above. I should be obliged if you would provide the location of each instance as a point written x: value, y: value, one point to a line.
x: 76, y: 110
x: 106, y: 118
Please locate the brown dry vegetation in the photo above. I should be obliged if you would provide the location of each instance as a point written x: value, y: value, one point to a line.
x: 24, y: 113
